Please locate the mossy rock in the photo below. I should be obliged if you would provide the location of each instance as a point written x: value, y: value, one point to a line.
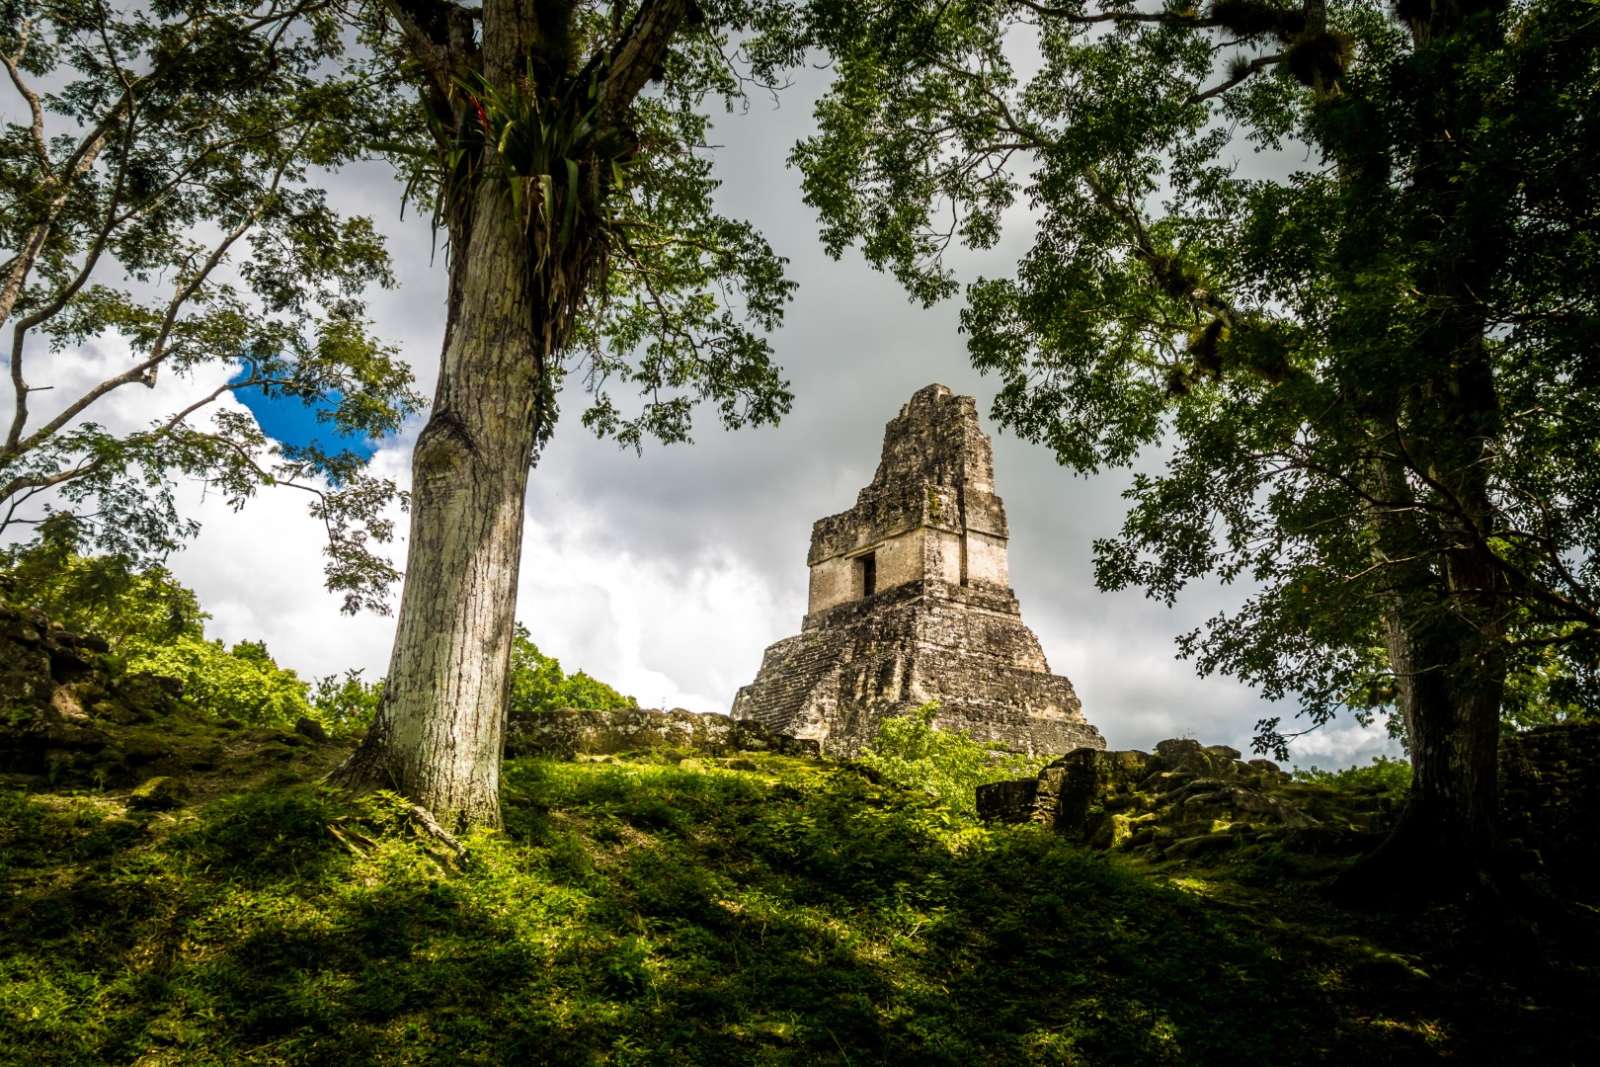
x: 161, y: 793
x: 311, y: 729
x: 1201, y: 845
x: 1114, y: 832
x: 115, y: 711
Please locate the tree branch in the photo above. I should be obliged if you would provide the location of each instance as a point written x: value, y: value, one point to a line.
x: 1242, y: 74
x: 635, y: 60
x: 40, y: 147
x: 1078, y: 18
x: 144, y: 371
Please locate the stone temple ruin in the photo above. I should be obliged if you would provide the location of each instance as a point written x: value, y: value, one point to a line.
x: 910, y: 602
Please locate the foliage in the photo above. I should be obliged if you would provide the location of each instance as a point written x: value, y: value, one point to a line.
x: 111, y: 596
x: 912, y: 752
x: 646, y: 294
x: 538, y: 684
x: 1367, y: 361
x: 758, y: 910
x: 157, y: 144
x: 1385, y: 774
x: 347, y: 703
x: 241, y: 683
x: 155, y: 626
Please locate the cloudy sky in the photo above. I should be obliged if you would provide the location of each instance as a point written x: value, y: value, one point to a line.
x: 667, y: 574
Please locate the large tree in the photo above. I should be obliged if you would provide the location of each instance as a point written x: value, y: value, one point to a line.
x: 159, y: 196
x: 1372, y: 355
x: 562, y: 143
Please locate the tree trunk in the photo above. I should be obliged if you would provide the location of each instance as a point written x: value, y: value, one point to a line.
x: 1449, y: 700
x: 438, y: 735
x: 1444, y: 647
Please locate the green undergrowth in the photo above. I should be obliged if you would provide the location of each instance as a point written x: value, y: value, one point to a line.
x: 749, y: 910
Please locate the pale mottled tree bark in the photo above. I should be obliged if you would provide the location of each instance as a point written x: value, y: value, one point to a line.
x: 438, y: 737
x: 439, y: 732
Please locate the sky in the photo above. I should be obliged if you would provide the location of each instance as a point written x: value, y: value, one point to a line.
x: 667, y: 574
x: 297, y: 423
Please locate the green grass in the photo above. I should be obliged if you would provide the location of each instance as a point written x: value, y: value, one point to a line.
x: 745, y: 911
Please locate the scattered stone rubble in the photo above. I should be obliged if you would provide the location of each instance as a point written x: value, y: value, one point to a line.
x: 59, y: 693
x: 1186, y: 799
x: 70, y: 713
x: 910, y: 602
x: 573, y: 732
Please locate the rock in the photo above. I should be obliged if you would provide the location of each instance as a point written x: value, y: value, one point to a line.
x: 139, y: 751
x: 1010, y: 801
x: 1113, y: 832
x: 1200, y: 845
x: 311, y: 728
x: 160, y: 793
x: 115, y: 711
x: 67, y: 662
x: 1185, y: 795
x: 1174, y: 750
x: 153, y: 694
x: 64, y: 702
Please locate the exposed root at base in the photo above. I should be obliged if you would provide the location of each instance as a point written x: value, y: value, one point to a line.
x: 429, y: 825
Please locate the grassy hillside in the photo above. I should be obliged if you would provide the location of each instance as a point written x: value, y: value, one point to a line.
x: 739, y: 911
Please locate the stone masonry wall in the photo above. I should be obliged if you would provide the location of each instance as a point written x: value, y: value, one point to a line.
x: 571, y: 732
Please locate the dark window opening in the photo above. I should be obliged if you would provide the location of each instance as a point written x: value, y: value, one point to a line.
x: 868, y: 566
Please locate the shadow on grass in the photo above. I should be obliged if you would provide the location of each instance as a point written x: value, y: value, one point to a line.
x: 639, y: 913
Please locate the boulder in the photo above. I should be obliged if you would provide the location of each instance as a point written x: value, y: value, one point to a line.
x: 311, y: 728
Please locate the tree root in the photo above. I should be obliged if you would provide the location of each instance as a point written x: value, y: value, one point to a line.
x: 429, y: 825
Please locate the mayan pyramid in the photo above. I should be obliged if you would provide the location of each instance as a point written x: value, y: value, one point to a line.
x: 911, y: 602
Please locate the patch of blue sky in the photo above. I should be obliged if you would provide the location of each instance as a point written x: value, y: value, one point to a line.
x: 298, y: 423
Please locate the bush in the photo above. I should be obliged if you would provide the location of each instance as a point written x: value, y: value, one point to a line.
x: 242, y: 683
x: 910, y: 751
x: 538, y: 684
x: 346, y: 704
x: 1385, y: 773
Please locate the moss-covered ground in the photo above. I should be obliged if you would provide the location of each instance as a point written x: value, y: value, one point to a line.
x: 747, y: 910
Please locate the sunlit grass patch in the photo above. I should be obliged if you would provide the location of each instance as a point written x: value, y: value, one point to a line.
x: 731, y: 911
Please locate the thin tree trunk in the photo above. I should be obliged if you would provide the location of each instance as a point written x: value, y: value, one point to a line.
x: 438, y: 735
